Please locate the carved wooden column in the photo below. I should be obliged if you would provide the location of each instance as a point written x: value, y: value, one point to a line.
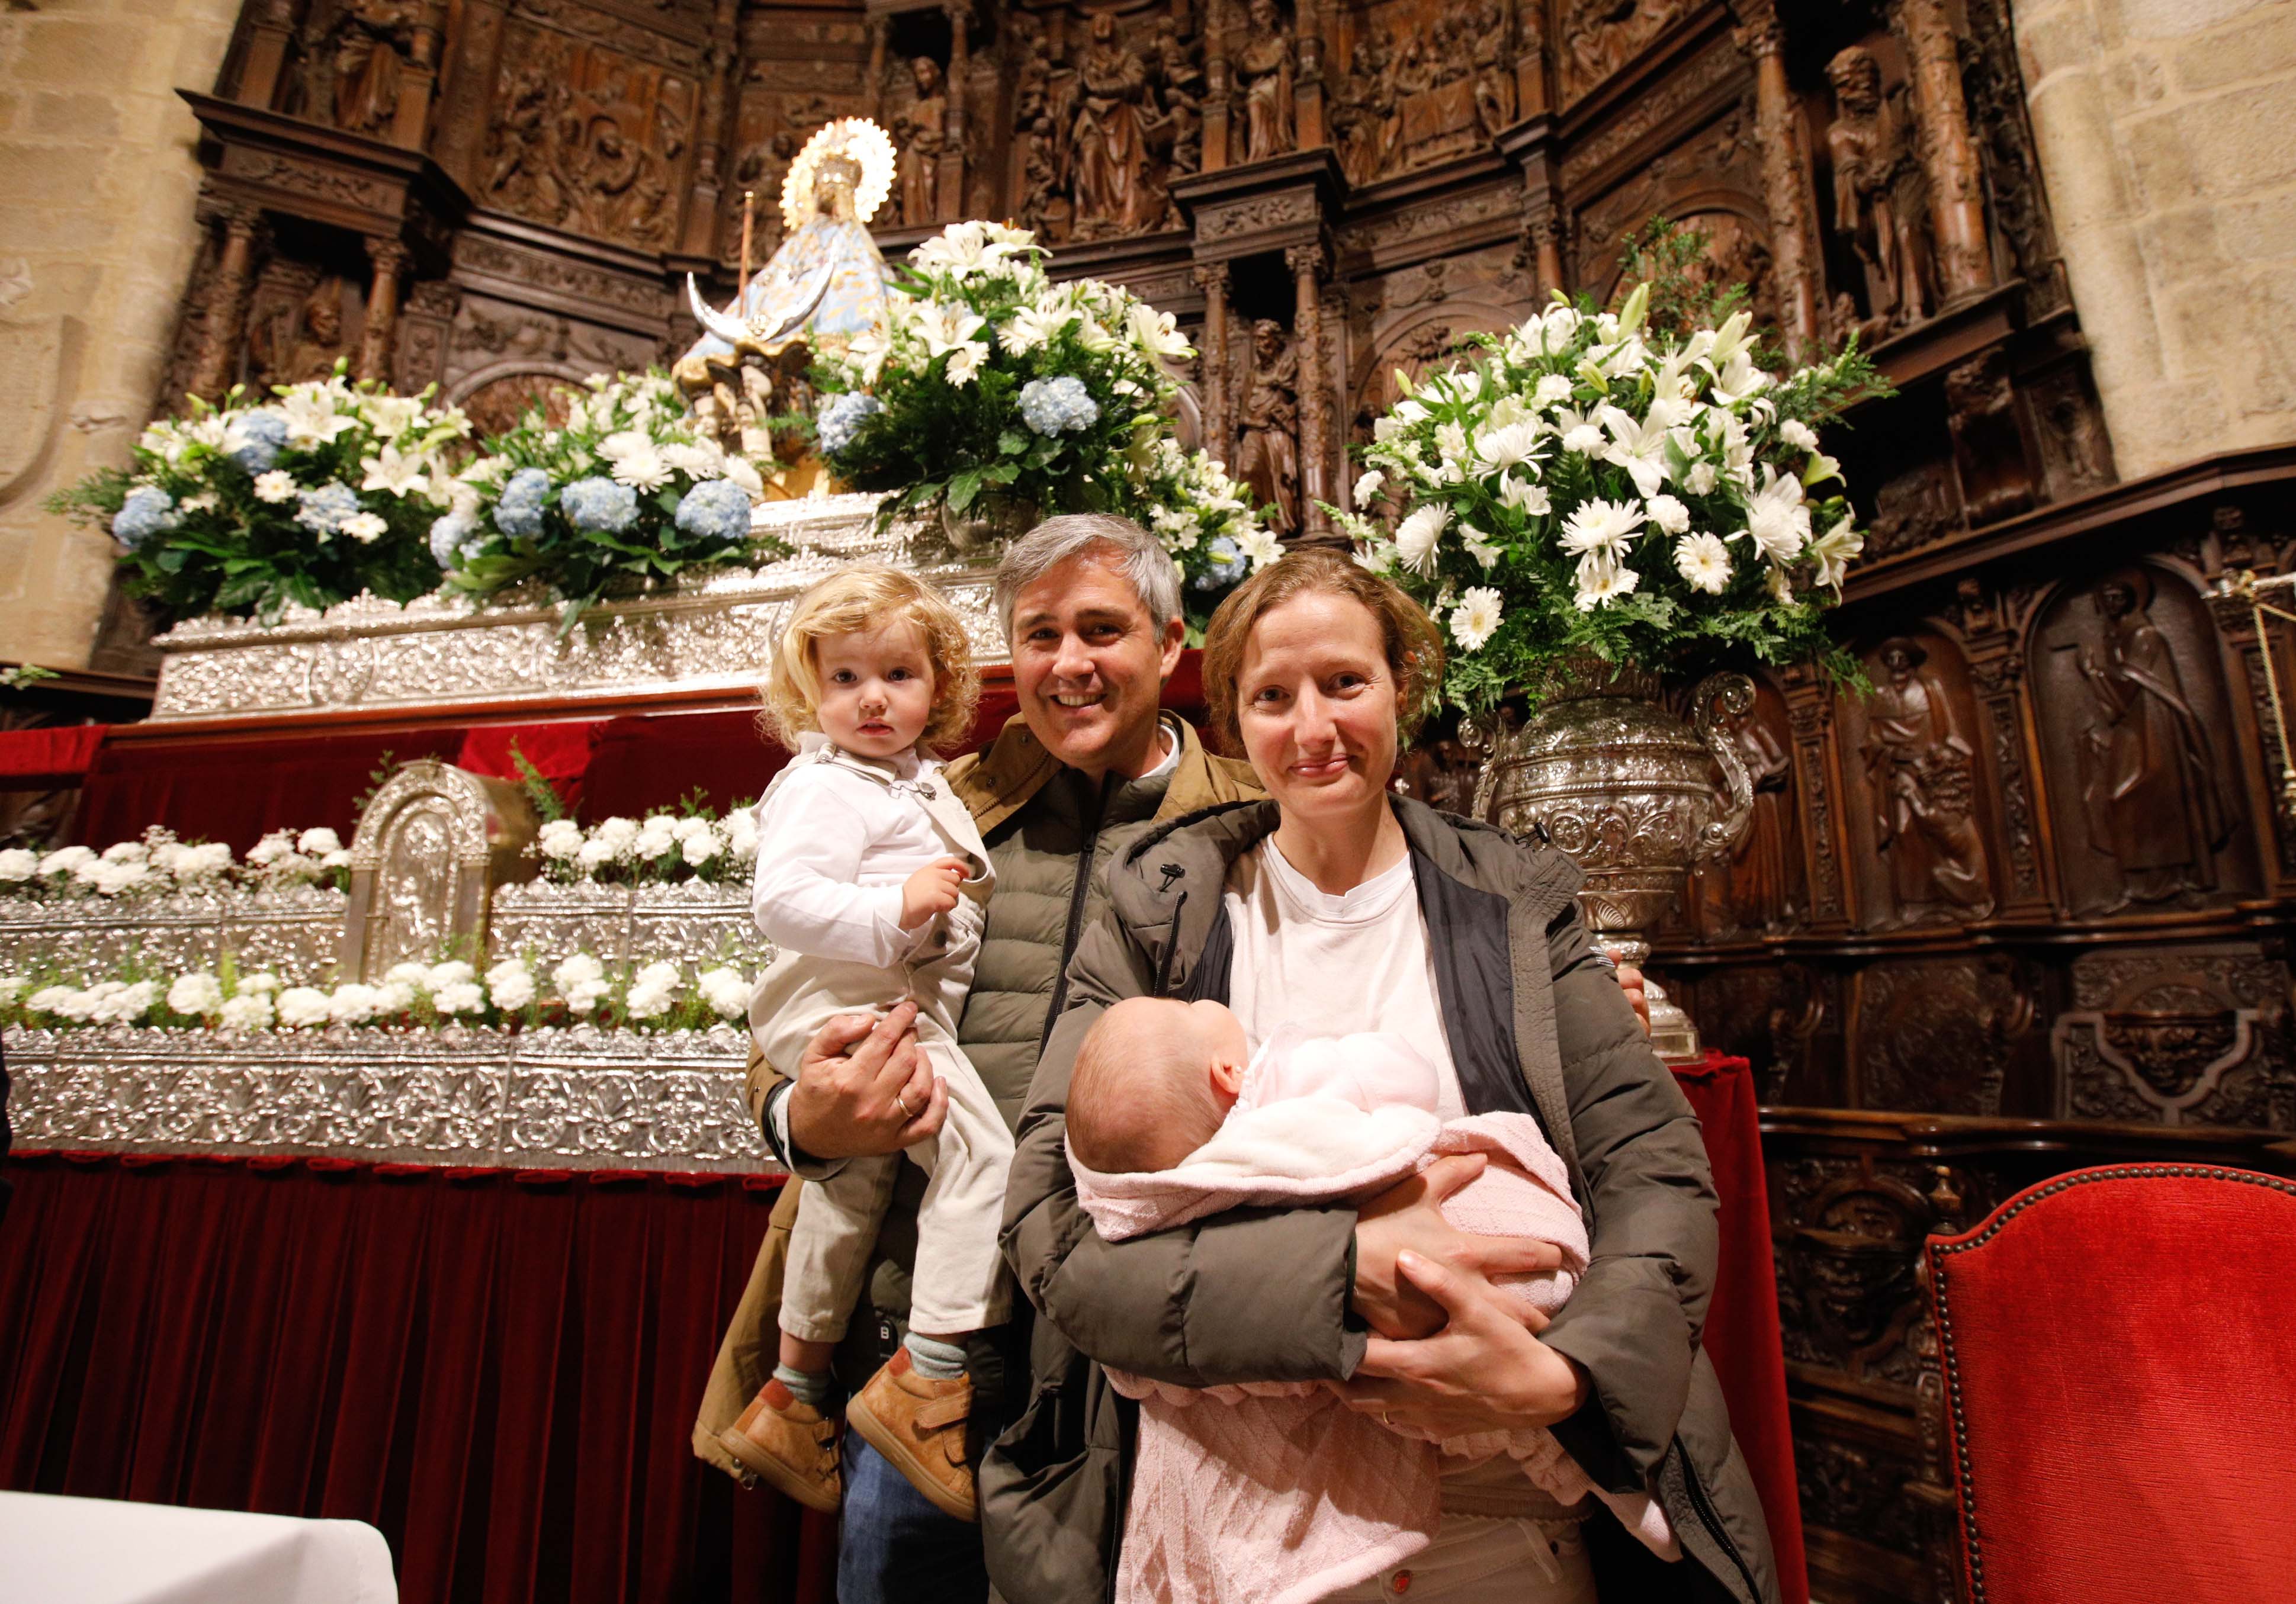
x: 1786, y: 192
x: 1307, y: 90
x: 380, y: 336
x: 270, y: 26
x: 1817, y: 782
x: 1211, y: 278
x: 466, y: 112
x: 2265, y: 784
x: 419, y: 80
x: 717, y: 131
x: 948, y: 183
x: 1997, y: 674
x: 224, y: 324
x: 1306, y: 265
x: 1218, y: 84
x: 1956, y: 189
x: 872, y: 93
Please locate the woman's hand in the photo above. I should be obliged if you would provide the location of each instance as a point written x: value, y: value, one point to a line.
x: 1408, y: 1217
x: 1485, y: 1371
x: 865, y: 1088
x: 1630, y: 981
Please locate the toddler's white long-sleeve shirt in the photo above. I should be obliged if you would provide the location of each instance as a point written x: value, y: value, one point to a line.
x: 833, y: 849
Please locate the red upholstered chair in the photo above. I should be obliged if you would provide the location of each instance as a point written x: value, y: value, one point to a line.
x: 2118, y: 1348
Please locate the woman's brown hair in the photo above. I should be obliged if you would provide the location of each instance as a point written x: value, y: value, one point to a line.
x: 1413, y: 644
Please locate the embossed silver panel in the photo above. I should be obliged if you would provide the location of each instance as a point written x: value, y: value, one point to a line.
x: 578, y: 1099
x: 295, y: 934
x: 708, y: 632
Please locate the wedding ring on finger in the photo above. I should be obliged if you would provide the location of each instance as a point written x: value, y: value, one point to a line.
x: 902, y: 1098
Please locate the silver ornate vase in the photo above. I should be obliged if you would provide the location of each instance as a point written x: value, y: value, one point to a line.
x: 1626, y: 788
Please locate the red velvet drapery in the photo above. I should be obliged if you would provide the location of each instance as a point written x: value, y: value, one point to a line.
x: 498, y: 1372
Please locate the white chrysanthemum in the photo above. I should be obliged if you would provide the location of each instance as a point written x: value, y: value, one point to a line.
x: 1581, y: 434
x: 453, y: 972
x: 1701, y: 478
x: 510, y: 985
x: 641, y: 471
x: 725, y: 990
x: 617, y: 833
x: 302, y: 1006
x: 318, y: 841
x: 196, y: 992
x: 1703, y: 561
x: 261, y: 982
x: 964, y: 363
x: 559, y: 841
x: 462, y: 997
x: 1515, y: 445
x: 1600, y: 527
x: 365, y: 528
x: 1797, y: 434
x: 1367, y: 486
x: 354, y: 1004
x: 1603, y: 579
x: 249, y: 1011
x: 1668, y: 513
x: 700, y: 848
x: 594, y: 855
x: 1552, y: 390
x: 18, y: 865
x: 1451, y: 443
x: 1476, y: 619
x: 409, y: 973
x: 704, y: 461
x: 274, y: 486
x: 1416, y: 536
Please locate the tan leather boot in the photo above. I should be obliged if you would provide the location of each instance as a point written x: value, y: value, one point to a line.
x: 792, y: 1446
x: 918, y: 1425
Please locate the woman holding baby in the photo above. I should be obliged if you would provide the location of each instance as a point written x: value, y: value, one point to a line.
x: 1334, y: 910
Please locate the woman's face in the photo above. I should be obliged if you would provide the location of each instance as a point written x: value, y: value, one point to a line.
x: 1317, y: 704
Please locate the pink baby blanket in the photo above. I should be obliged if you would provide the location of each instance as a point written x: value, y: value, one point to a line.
x: 1276, y: 1492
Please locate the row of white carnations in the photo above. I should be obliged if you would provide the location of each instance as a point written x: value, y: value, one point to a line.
x: 659, y: 847
x: 159, y: 862
x: 519, y: 990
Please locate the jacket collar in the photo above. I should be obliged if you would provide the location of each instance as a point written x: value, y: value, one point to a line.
x: 998, y: 781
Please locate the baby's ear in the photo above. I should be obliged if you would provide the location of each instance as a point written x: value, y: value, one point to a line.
x: 1227, y: 1079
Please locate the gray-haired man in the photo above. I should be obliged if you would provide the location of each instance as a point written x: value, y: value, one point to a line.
x: 1091, y: 604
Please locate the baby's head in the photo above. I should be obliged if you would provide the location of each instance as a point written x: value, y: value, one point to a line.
x: 1153, y: 1079
x: 876, y: 659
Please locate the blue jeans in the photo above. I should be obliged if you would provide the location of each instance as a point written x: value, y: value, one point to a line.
x: 895, y: 1547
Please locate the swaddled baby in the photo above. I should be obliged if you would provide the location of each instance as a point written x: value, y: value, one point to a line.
x: 1277, y: 1493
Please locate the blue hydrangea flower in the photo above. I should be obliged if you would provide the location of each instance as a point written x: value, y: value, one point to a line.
x: 147, y: 511
x: 841, y: 420
x: 1228, y: 565
x: 599, y: 506
x: 255, y: 440
x: 324, y: 508
x: 519, y: 513
x: 716, y: 511
x: 450, y: 537
x: 1049, y: 405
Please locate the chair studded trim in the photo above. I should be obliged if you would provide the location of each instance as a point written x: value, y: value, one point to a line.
x: 1939, y: 1252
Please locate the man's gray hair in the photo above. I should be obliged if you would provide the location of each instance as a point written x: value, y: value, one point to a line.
x: 1130, y: 550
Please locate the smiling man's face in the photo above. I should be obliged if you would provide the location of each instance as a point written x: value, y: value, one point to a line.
x: 1090, y: 664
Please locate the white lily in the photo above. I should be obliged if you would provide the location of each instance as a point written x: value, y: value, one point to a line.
x: 394, y: 473
x: 311, y: 416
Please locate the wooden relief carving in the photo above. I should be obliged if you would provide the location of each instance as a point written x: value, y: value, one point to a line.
x: 356, y: 57
x: 1927, y: 1038
x: 586, y: 139
x: 2133, y: 724
x: 1712, y: 181
x: 1595, y: 38
x: 2196, y: 1036
x: 1416, y: 89
x: 1101, y: 127
x: 1847, y: 1233
x: 1414, y: 345
x: 1912, y: 749
x: 1759, y: 888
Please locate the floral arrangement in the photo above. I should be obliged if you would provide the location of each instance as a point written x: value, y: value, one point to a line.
x: 993, y: 384
x: 311, y: 496
x: 519, y: 992
x: 659, y: 849
x: 160, y: 864
x: 1587, y: 484
x: 625, y: 490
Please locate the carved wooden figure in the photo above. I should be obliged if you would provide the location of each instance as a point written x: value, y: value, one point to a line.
x: 920, y: 131
x: 1268, y: 460
x: 1265, y: 69
x: 1108, y: 143
x: 2149, y: 786
x: 1922, y: 778
x: 1881, y: 193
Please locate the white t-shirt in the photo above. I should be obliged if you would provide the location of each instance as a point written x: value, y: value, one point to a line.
x: 1335, y: 965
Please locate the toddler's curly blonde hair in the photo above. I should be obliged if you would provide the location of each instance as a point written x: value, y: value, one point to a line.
x: 863, y: 597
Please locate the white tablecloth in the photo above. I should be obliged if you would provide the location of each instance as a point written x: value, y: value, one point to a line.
x: 95, y: 1551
